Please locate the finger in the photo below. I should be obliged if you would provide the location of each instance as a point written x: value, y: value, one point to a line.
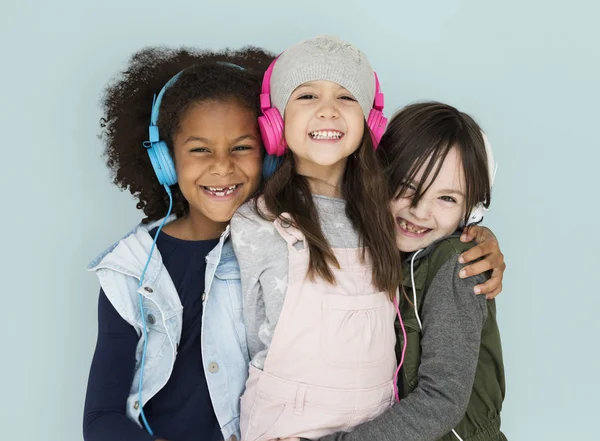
x: 478, y: 251
x: 494, y: 293
x: 489, y: 286
x: 484, y: 234
x: 475, y: 268
x: 498, y: 270
x: 469, y: 233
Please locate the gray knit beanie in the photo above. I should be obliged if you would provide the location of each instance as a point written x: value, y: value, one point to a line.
x: 323, y: 58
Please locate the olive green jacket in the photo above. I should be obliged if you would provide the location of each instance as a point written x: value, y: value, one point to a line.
x: 481, y: 418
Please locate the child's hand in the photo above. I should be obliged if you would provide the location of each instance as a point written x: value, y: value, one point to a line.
x: 492, y: 259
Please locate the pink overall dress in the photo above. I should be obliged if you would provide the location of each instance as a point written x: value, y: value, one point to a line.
x: 331, y: 363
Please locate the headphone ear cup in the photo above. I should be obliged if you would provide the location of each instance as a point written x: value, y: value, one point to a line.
x: 476, y: 215
x: 377, y: 124
x: 162, y: 163
x: 271, y: 130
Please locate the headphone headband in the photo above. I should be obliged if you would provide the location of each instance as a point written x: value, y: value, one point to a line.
x: 479, y: 210
x: 378, y: 101
x: 265, y: 89
x: 158, y: 99
x: 156, y: 102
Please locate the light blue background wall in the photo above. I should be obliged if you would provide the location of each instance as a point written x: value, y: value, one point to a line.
x: 528, y: 70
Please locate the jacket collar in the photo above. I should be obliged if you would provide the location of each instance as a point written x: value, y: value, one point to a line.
x: 130, y: 253
x: 416, y: 265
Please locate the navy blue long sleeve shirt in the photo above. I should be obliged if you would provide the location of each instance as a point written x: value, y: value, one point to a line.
x: 181, y: 410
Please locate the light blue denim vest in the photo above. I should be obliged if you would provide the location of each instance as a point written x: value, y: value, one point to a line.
x: 224, y: 349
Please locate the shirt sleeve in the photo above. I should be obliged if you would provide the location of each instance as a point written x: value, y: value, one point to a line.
x: 453, y: 318
x: 263, y: 259
x: 110, y: 380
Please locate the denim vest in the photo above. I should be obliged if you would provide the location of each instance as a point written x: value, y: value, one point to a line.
x: 224, y: 349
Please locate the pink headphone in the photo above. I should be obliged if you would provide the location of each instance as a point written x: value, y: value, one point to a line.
x: 271, y: 123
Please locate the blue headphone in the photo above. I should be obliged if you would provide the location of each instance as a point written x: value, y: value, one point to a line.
x: 161, y: 160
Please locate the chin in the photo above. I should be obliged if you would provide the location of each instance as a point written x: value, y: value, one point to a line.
x: 222, y: 216
x: 327, y: 161
x: 214, y: 214
x: 407, y: 247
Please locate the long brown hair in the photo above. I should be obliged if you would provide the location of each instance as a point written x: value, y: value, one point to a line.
x: 367, y: 206
x: 422, y: 134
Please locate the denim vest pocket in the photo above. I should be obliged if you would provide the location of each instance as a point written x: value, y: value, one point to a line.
x: 228, y: 271
x: 157, y: 335
x: 231, y: 280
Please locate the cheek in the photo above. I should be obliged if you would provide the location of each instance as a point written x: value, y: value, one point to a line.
x: 291, y: 129
x: 398, y: 205
x: 358, y: 121
x: 296, y: 121
x: 188, y: 171
x: 287, y: 132
x: 450, y: 220
x: 251, y: 167
x: 358, y: 135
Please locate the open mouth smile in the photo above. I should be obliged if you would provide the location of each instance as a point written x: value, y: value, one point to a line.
x: 326, y: 135
x: 410, y: 229
x: 222, y: 191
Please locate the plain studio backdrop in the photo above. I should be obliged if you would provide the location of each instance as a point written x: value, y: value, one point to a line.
x: 527, y: 70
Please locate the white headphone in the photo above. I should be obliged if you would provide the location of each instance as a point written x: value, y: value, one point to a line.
x: 479, y: 210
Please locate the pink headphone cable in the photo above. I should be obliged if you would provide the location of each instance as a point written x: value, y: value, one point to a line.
x: 396, y: 393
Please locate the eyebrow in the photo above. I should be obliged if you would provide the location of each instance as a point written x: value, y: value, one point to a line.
x: 451, y: 191
x: 445, y: 190
x: 207, y: 141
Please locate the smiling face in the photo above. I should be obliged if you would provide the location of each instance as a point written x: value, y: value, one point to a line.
x: 218, y: 160
x: 324, y: 124
x: 439, y: 211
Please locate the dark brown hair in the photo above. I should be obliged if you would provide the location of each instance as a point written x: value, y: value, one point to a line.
x: 421, y: 135
x: 367, y: 199
x: 127, y: 104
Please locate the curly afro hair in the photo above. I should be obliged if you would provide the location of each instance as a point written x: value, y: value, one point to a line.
x: 127, y: 104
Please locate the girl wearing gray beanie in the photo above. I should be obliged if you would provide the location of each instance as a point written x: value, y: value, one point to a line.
x: 319, y: 267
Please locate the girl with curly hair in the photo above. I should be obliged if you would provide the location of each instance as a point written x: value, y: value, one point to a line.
x: 171, y: 359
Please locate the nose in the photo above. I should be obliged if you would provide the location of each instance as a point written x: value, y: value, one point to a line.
x: 328, y: 109
x: 222, y: 165
x: 422, y: 211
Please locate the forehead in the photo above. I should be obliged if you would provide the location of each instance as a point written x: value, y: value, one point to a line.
x: 210, y: 116
x: 451, y: 174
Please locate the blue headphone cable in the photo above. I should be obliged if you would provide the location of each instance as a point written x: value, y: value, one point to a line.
x: 141, y: 297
